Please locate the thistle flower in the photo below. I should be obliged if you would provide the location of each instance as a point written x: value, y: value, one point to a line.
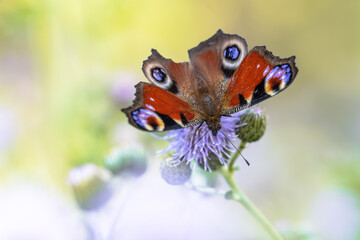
x: 175, y: 174
x: 204, y: 147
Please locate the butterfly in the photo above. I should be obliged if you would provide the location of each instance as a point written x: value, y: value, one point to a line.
x: 221, y: 78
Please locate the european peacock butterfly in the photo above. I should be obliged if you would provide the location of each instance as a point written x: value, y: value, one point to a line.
x: 221, y: 78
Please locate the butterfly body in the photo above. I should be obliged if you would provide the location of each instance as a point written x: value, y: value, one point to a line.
x: 221, y: 78
x: 209, y: 107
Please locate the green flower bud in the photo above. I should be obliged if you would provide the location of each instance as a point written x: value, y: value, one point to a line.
x: 129, y: 162
x: 90, y: 185
x: 255, y: 126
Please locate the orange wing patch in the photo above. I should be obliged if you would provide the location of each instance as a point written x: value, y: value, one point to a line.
x: 259, y: 76
x: 156, y: 109
x: 161, y: 101
x: 249, y: 74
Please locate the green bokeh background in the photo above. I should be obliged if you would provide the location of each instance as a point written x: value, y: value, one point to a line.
x: 60, y: 60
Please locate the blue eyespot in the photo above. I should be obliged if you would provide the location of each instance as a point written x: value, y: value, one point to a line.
x: 158, y: 74
x: 232, y: 53
x: 283, y: 73
x: 146, y: 119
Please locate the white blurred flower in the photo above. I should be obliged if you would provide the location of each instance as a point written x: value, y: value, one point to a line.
x: 149, y: 208
x: 32, y: 212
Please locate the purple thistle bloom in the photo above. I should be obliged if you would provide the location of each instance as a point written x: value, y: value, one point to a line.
x: 203, y: 145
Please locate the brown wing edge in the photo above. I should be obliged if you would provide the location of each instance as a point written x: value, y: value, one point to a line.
x: 276, y: 60
x: 205, y: 45
x: 154, y: 57
x: 137, y: 103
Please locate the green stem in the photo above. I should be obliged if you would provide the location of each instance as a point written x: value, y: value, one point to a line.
x: 240, y: 197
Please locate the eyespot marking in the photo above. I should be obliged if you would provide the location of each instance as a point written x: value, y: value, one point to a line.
x: 277, y: 79
x: 232, y: 53
x: 147, y: 120
x: 158, y: 74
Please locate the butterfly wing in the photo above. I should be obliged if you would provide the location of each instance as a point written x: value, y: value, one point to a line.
x: 211, y: 62
x: 222, y: 78
x: 177, y: 78
x: 156, y: 109
x: 167, y: 103
x: 260, y: 75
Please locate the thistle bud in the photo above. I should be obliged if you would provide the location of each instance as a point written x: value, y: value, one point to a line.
x: 130, y: 161
x: 90, y: 185
x: 255, y: 125
x: 175, y: 174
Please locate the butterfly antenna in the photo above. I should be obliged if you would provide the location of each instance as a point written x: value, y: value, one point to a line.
x: 247, y: 162
x: 193, y: 144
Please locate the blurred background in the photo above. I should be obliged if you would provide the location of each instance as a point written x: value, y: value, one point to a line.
x: 68, y: 67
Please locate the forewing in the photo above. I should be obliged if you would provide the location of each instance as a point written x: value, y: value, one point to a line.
x: 260, y: 75
x: 164, y: 73
x: 155, y: 109
x: 216, y: 59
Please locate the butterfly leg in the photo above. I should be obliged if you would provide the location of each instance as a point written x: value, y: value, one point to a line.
x: 195, y: 132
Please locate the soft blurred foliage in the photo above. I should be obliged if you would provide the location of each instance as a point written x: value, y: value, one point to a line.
x: 67, y: 67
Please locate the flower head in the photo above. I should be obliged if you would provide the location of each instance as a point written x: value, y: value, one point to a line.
x: 90, y: 185
x: 255, y: 127
x: 187, y: 146
x: 131, y: 162
x: 175, y: 174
